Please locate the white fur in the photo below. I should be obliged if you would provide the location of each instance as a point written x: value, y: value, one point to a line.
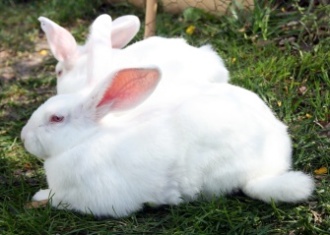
x: 72, y: 58
x: 41, y: 195
x: 213, y: 139
x: 172, y: 56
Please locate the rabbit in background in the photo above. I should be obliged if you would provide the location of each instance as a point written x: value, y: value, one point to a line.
x: 169, y: 54
x: 211, y: 139
x: 71, y: 57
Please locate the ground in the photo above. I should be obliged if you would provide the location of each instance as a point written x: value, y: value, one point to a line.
x: 279, y: 50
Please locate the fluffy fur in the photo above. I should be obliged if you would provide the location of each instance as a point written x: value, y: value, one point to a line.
x: 170, y: 55
x: 213, y: 139
x: 73, y: 59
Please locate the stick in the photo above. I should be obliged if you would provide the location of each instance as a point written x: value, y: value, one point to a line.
x: 150, y: 20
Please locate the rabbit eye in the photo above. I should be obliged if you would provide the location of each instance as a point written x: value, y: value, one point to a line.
x: 59, y: 73
x: 56, y: 119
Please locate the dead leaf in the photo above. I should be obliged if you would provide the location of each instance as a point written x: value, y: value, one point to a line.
x: 242, y: 30
x: 302, y: 90
x: 326, y: 129
x: 321, y: 171
x: 27, y: 166
x: 317, y: 217
x: 36, y: 204
x: 43, y: 52
x: 308, y: 115
x: 287, y: 40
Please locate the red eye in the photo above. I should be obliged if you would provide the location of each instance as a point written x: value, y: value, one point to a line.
x: 59, y: 73
x: 56, y: 119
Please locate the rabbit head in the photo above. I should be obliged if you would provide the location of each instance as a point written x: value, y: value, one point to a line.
x: 67, y: 119
x: 72, y: 57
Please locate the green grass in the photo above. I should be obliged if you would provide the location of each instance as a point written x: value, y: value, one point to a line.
x: 280, y: 51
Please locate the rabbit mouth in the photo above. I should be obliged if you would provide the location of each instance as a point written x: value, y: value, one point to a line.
x: 34, y: 146
x: 40, y: 149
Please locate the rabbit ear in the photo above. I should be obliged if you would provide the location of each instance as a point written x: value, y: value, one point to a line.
x: 124, y: 29
x: 61, y: 42
x: 100, y: 31
x: 127, y: 89
x: 99, y: 48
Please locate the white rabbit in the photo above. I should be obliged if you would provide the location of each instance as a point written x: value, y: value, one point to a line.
x: 210, y: 140
x: 170, y: 55
x: 71, y: 57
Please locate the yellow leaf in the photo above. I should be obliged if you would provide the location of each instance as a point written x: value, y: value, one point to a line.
x: 190, y: 30
x: 321, y: 171
x: 242, y: 30
x: 233, y: 60
x: 43, y: 52
x: 279, y: 103
x: 308, y: 115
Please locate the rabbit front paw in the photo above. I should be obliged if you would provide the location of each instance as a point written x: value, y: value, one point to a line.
x: 41, y: 195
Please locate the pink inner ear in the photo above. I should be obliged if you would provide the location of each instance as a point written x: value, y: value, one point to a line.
x: 61, y: 42
x: 129, y: 88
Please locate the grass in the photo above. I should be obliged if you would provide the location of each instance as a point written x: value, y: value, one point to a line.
x: 281, y: 51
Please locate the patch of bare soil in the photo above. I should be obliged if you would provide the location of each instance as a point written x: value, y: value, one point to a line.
x: 16, y: 65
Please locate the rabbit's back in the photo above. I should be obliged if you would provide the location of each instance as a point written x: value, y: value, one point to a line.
x: 176, y: 59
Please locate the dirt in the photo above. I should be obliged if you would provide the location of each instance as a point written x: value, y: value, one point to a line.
x: 22, y: 65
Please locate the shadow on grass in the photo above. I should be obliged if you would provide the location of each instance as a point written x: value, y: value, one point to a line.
x: 29, y: 86
x: 20, y: 95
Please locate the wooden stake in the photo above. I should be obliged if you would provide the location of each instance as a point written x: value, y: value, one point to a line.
x: 150, y: 20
